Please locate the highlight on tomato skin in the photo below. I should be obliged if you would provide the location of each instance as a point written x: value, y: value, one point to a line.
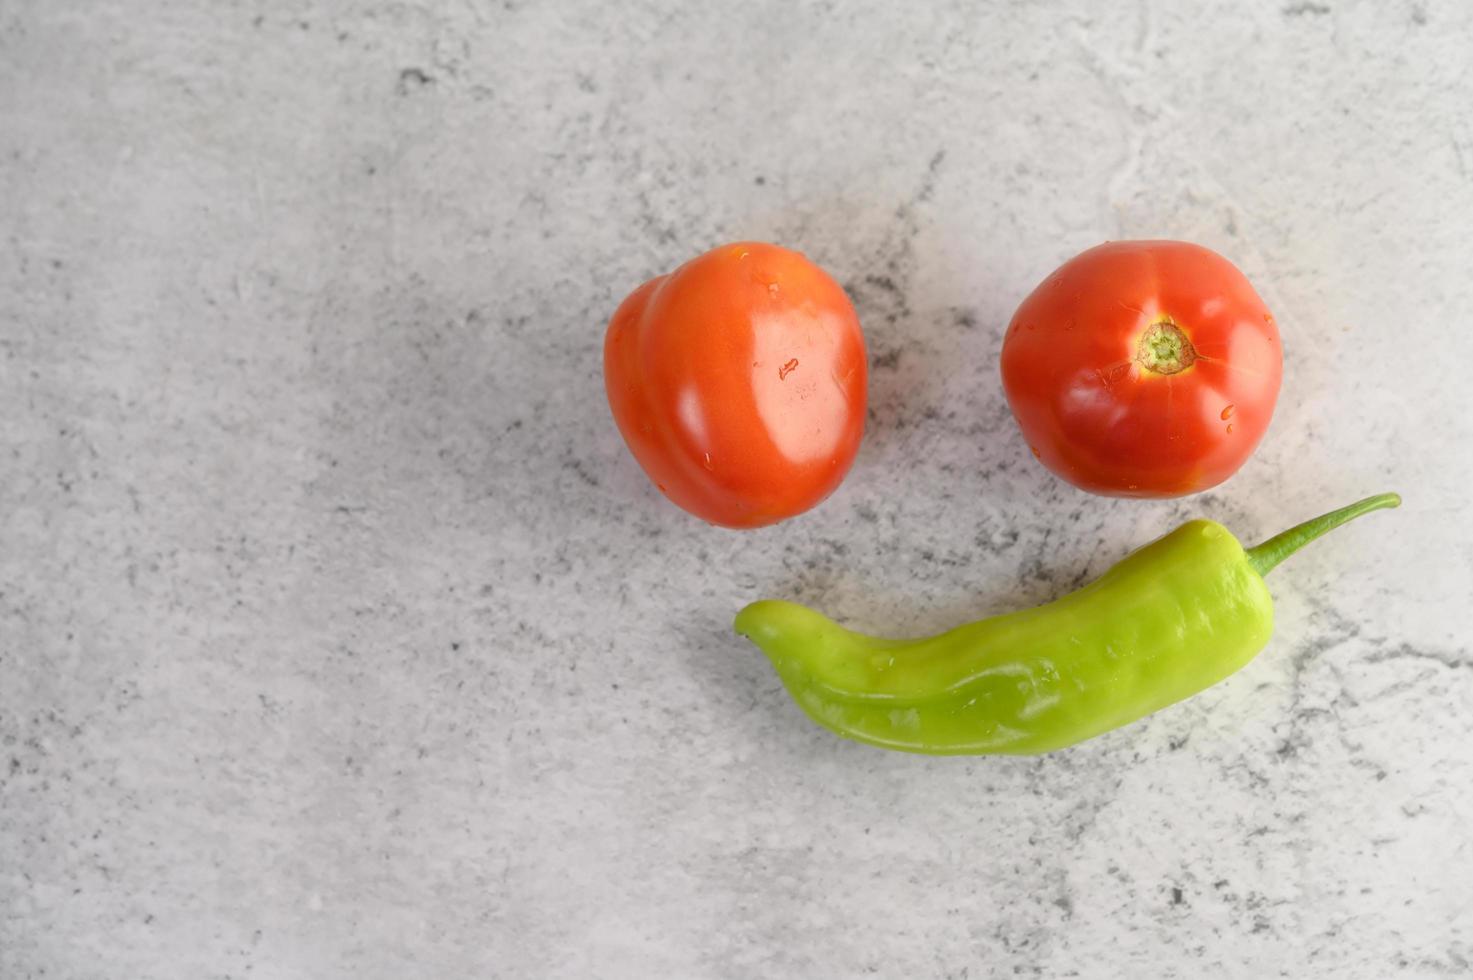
x: 739, y: 383
x: 1143, y: 369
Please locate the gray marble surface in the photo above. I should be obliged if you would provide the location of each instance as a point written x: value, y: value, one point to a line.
x: 341, y: 637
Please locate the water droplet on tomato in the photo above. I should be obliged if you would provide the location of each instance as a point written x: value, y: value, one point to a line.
x: 709, y: 464
x: 1227, y: 413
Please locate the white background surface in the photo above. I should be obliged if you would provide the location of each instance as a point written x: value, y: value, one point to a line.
x: 341, y: 637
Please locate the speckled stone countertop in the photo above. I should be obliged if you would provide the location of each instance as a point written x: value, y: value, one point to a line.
x: 340, y: 636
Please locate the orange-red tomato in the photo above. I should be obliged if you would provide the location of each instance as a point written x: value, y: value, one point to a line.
x: 1143, y: 369
x: 739, y: 383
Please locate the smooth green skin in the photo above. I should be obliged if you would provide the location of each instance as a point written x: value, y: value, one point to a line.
x: 1171, y: 619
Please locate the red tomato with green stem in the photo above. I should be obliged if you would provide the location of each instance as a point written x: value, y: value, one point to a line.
x: 1143, y: 369
x: 739, y: 383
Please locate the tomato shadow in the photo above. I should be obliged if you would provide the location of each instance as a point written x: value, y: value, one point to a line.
x: 492, y: 401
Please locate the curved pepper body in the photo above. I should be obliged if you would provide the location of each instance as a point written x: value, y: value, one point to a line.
x: 1171, y: 619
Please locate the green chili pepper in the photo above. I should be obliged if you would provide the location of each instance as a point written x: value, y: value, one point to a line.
x: 1169, y: 620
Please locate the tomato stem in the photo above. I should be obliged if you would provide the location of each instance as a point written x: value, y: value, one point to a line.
x: 1265, y: 556
x: 1164, y: 349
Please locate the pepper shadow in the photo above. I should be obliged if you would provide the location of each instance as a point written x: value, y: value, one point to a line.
x: 747, y: 699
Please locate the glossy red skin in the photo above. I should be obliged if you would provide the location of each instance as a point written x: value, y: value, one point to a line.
x: 1094, y: 416
x: 739, y: 383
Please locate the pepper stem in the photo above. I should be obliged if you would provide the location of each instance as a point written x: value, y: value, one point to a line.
x: 1265, y: 556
